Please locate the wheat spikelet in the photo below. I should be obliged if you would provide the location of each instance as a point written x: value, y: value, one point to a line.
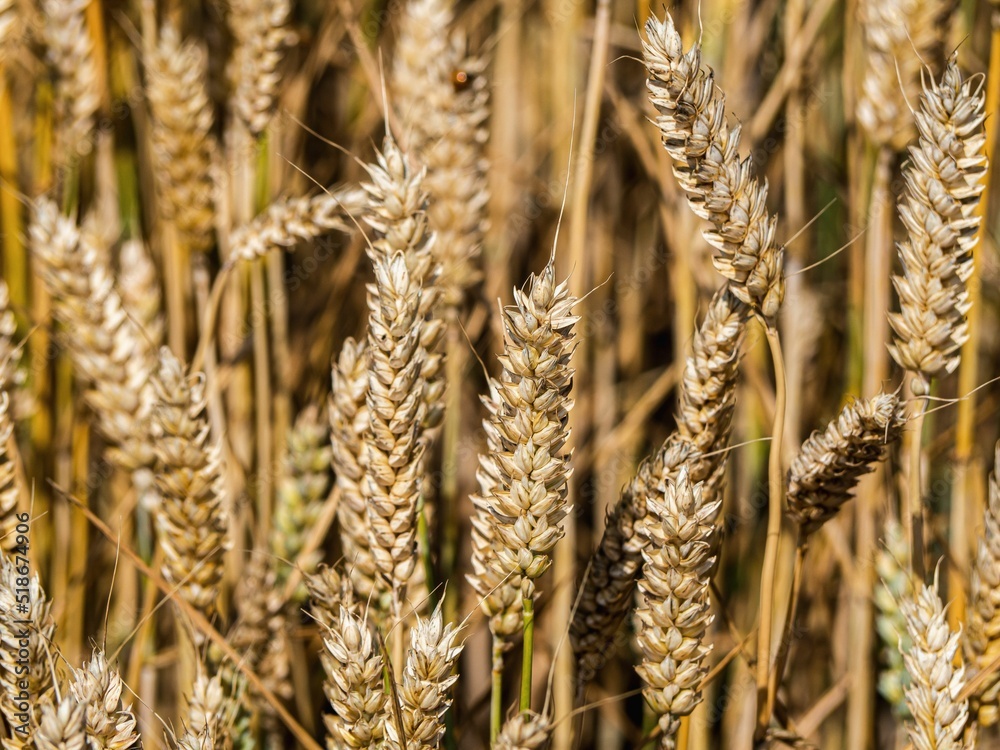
x: 529, y: 503
x: 615, y: 566
x: 328, y: 593
x: 61, y: 724
x: 191, y: 520
x: 70, y: 51
x: 524, y: 731
x: 289, y: 221
x: 900, y: 35
x: 830, y: 463
x: 260, y: 29
x: 353, y: 683
x: 103, y: 342
x: 139, y: 288
x: 442, y: 100
x: 184, y: 149
x: 892, y: 568
x: 348, y: 412
x: 674, y: 612
x: 939, y: 717
x: 943, y: 185
x: 401, y: 335
x: 428, y: 677
x: 982, y: 635
x: 304, y: 485
x: 21, y: 692
x: 110, y: 723
x: 720, y: 187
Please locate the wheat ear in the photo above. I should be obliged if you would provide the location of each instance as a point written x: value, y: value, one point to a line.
x: 110, y: 723
x: 674, y: 613
x: 61, y: 724
x: 10, y: 485
x: 943, y: 183
x: 524, y: 731
x: 830, y: 463
x: 892, y: 565
x: 205, y: 720
x: 191, y: 520
x: 184, y: 149
x: 720, y: 187
x: 260, y: 27
x: 328, y: 592
x: 70, y: 51
x: 939, y: 716
x: 139, y: 288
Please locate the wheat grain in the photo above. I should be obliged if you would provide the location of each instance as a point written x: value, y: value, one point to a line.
x: 720, y: 186
x: 674, y: 612
x: 184, y: 149
x: 830, y: 463
x: 70, y: 51
x: 943, y: 185
x: 939, y: 717
x: 110, y: 723
x: 191, y: 520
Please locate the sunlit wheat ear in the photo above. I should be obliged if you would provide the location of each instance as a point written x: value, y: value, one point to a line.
x: 353, y: 684
x: 139, y: 287
x: 61, y: 724
x: 70, y: 52
x: 348, y: 412
x: 110, y: 723
x: 830, y: 463
x: 939, y: 717
x: 402, y: 335
x: 609, y: 586
x: 191, y: 521
x: 207, y: 712
x: 981, y: 639
x: 524, y: 731
x: 441, y: 97
x: 288, y: 221
x: 896, y: 585
x: 720, y: 187
x: 900, y: 37
x: 304, y: 485
x: 427, y: 681
x: 262, y: 35
x: 943, y: 183
x: 107, y: 349
x: 40, y: 629
x: 184, y: 149
x: 674, y: 613
x: 530, y: 502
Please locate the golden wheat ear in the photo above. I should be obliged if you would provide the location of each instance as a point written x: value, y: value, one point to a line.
x: 70, y: 51
x: 524, y: 731
x: 109, y: 722
x: 892, y: 566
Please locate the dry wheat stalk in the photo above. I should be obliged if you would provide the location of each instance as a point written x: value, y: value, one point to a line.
x: 674, y: 613
x: 982, y: 634
x: 184, y: 149
x: 37, y: 626
x: 615, y: 566
x: 348, y: 412
x: 260, y: 30
x: 402, y: 333
x: 428, y: 677
x: 830, y: 463
x: 139, y: 288
x: 61, y: 724
x: 304, y: 485
x: 900, y: 36
x: 110, y: 723
x: 524, y: 731
x: 442, y: 98
x: 289, y: 221
x: 943, y: 185
x: 720, y: 186
x: 191, y: 520
x: 106, y: 347
x: 939, y: 717
x: 70, y: 51
x: 353, y: 684
x: 892, y: 565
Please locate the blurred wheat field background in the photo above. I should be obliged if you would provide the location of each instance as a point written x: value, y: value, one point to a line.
x: 497, y: 374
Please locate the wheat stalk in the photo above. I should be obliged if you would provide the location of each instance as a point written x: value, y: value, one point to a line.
x: 184, y: 149
x: 110, y: 723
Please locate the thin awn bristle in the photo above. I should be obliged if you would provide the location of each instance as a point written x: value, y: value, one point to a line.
x: 830, y: 463
x: 720, y: 187
x: 943, y: 184
x: 184, y: 149
x: 674, y: 613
